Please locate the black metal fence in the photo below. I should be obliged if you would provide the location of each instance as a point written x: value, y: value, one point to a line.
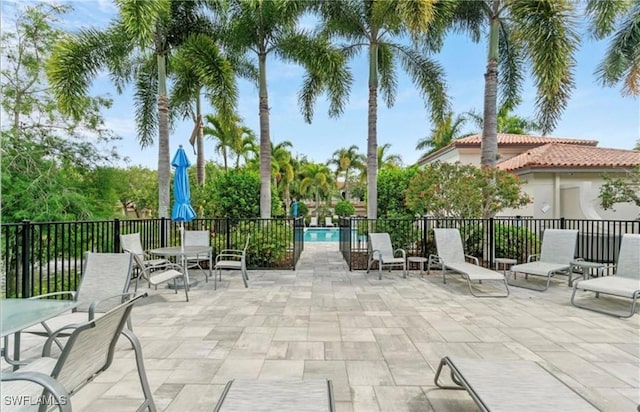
x: 48, y: 257
x: 516, y: 238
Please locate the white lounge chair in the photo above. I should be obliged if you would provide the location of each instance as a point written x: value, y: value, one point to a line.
x: 625, y: 283
x: 557, y: 251
x: 451, y: 258
x: 497, y: 385
x: 328, y: 221
x: 381, y: 251
x: 132, y: 243
x: 233, y: 259
x: 87, y: 353
x: 313, y: 222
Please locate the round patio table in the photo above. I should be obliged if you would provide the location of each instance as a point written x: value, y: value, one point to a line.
x: 180, y: 253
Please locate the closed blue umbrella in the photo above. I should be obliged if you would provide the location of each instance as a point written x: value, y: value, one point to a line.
x: 182, y: 210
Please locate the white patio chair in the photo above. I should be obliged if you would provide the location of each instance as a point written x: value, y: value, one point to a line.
x: 625, y: 283
x: 451, y: 259
x: 233, y: 259
x: 381, y: 251
x: 197, y: 238
x: 313, y: 222
x: 557, y: 251
x: 328, y: 221
x: 104, y: 284
x: 87, y: 353
x: 171, y: 271
x: 131, y: 243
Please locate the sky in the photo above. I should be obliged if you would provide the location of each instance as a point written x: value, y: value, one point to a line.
x: 593, y: 112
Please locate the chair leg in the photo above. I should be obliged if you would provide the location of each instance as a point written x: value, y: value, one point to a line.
x: 244, y: 278
x: 142, y: 374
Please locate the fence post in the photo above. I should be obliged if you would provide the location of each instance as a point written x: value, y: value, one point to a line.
x: 423, y: 252
x: 116, y: 235
x: 492, y: 241
x: 227, y: 232
x: 26, y: 278
x: 163, y: 232
x: 562, y: 222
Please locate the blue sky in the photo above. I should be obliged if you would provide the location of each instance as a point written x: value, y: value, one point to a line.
x: 594, y: 112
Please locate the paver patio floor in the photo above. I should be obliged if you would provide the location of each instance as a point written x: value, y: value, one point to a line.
x: 379, y: 341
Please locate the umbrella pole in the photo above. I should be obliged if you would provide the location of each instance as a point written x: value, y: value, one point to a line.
x: 183, y: 260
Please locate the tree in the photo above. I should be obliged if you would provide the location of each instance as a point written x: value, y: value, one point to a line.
x: 345, y: 160
x: 382, y: 27
x: 387, y: 160
x: 443, y: 133
x: 524, y: 35
x: 507, y: 122
x: 283, y: 170
x: 316, y: 181
x: 621, y: 190
x: 392, y: 185
x: 446, y: 190
x: 621, y: 63
x: 263, y: 28
x: 47, y: 157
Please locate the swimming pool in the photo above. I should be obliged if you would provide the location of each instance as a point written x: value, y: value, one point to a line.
x: 317, y: 234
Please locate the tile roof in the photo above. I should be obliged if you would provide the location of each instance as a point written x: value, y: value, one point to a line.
x: 522, y: 139
x: 555, y: 155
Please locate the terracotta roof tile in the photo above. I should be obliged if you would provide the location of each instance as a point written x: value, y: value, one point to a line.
x: 505, y: 139
x: 554, y: 155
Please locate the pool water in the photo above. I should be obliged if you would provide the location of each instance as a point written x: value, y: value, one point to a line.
x: 313, y: 234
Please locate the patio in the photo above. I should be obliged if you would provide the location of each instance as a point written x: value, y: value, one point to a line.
x: 379, y: 341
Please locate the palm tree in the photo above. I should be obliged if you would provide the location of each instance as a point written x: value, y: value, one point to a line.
x: 134, y: 48
x: 443, y: 133
x: 263, y: 28
x: 228, y: 133
x: 346, y: 160
x: 245, y: 146
x: 537, y: 35
x: 316, y: 180
x: 507, y: 122
x: 380, y: 28
x: 283, y: 171
x: 387, y: 161
x: 621, y: 62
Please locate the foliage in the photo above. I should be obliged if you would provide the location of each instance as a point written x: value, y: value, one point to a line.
x: 392, y: 184
x: 446, y: 190
x: 511, y: 241
x: 269, y: 242
x: 621, y: 190
x: 303, y: 210
x: 402, y: 230
x: 344, y: 208
x: 235, y: 194
x: 443, y: 132
x: 47, y: 157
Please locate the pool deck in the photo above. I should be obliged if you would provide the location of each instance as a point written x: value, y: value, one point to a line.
x: 379, y: 341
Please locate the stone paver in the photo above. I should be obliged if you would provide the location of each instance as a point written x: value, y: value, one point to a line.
x: 379, y: 341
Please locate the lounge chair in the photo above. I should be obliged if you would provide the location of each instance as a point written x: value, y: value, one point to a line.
x: 170, y: 272
x: 313, y: 222
x: 198, y: 238
x: 511, y: 386
x: 328, y: 221
x: 131, y: 243
x: 557, y: 252
x: 87, y: 353
x: 625, y: 283
x: 104, y: 285
x: 381, y: 251
x: 451, y: 258
x: 233, y: 259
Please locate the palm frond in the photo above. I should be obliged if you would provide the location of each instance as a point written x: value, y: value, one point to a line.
x: 387, y: 74
x: 146, y: 102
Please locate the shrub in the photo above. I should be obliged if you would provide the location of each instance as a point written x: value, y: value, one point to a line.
x: 510, y: 241
x: 344, y: 208
x: 236, y: 194
x: 269, y: 242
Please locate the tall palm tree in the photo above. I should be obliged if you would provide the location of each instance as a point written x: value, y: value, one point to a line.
x: 283, y: 171
x: 443, y: 133
x: 245, y: 146
x: 346, y: 160
x: 316, y: 180
x: 133, y: 48
x: 622, y: 60
x: 507, y: 122
x: 227, y: 132
x: 380, y: 28
x: 387, y: 160
x: 537, y: 35
x: 264, y: 28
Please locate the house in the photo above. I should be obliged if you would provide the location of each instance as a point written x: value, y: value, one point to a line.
x: 563, y: 176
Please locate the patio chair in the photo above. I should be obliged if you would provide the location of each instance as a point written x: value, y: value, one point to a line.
x: 233, y: 259
x: 104, y: 284
x: 557, y: 252
x: 171, y: 271
x: 313, y: 222
x: 451, y: 258
x: 328, y: 221
x: 513, y: 385
x: 197, y: 238
x: 625, y: 283
x: 87, y: 353
x: 381, y: 251
x: 131, y: 243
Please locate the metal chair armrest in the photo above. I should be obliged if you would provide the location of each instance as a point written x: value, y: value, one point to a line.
x: 533, y: 258
x: 50, y: 385
x: 404, y: 253
x: 235, y: 256
x: 94, y: 305
x: 475, y: 259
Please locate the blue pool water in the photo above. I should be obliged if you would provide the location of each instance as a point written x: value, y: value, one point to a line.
x: 313, y: 234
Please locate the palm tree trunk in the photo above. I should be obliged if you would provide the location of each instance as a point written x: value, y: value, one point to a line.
x: 164, y: 168
x: 489, y: 149
x: 372, y: 138
x: 346, y: 185
x: 265, y: 141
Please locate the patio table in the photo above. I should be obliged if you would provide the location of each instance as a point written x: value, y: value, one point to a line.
x: 181, y: 252
x: 19, y: 314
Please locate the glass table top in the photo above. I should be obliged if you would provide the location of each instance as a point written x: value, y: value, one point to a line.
x: 18, y: 314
